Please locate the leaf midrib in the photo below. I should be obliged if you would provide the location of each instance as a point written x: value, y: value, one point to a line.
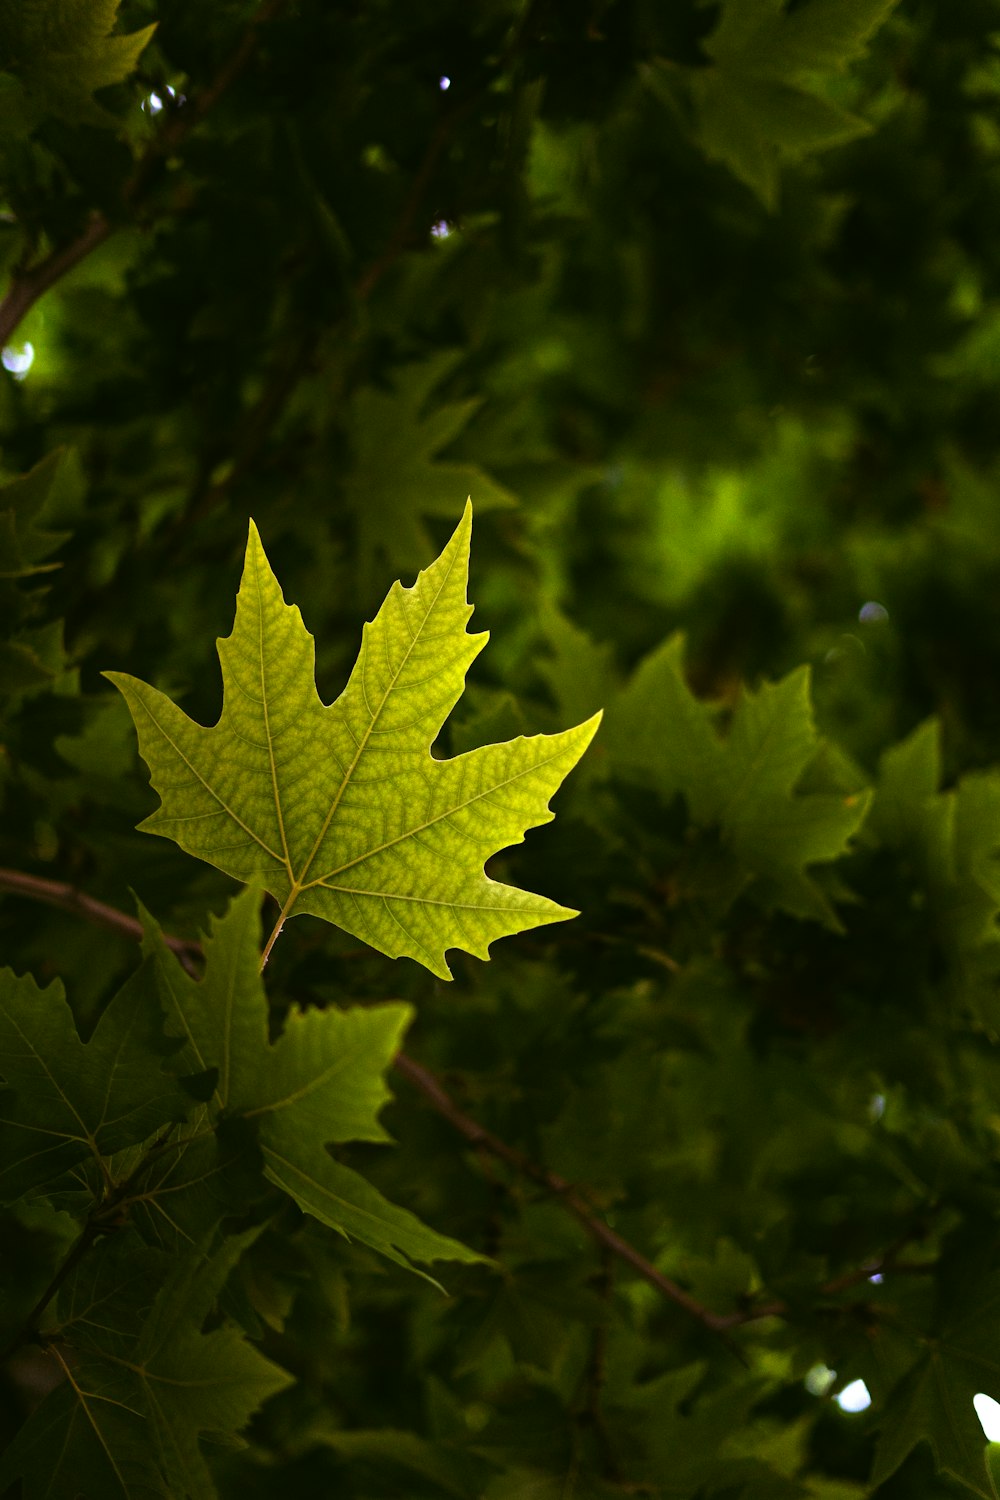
x: 299, y: 882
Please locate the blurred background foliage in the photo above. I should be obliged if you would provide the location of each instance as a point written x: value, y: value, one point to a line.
x: 701, y: 304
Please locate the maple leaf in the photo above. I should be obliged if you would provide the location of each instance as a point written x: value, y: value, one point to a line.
x: 952, y: 839
x: 321, y: 1083
x: 955, y: 1361
x: 341, y: 810
x: 60, y: 52
x: 67, y: 1100
x: 31, y: 655
x: 142, y: 1382
x: 24, y: 544
x: 745, y: 783
x: 397, y: 476
x: 758, y: 106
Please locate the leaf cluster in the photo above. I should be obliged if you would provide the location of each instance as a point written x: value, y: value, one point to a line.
x: 700, y: 305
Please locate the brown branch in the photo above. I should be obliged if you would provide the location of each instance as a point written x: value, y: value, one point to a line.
x: 193, y: 113
x: 31, y: 282
x: 477, y: 1135
x: 402, y: 229
x: 27, y: 286
x: 55, y: 893
x: 884, y: 1264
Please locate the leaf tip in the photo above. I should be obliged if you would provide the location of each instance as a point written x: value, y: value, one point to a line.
x: 463, y: 531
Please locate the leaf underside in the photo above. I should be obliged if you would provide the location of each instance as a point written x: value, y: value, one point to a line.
x: 341, y: 810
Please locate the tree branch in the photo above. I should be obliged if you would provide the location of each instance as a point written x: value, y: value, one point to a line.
x: 31, y: 282
x: 55, y: 893
x: 76, y: 1252
x: 477, y: 1135
x: 27, y: 286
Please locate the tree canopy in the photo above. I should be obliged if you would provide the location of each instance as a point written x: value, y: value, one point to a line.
x: 381, y: 1130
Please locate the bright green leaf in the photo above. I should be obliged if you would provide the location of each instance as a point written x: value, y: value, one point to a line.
x: 342, y: 811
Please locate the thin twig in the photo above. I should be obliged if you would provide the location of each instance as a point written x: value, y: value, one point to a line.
x: 477, y: 1135
x: 31, y: 282
x: 29, y: 1327
x: 880, y: 1265
x: 403, y: 227
x: 55, y: 893
x: 255, y: 430
x: 27, y: 286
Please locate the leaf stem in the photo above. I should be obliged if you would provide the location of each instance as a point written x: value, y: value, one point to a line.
x: 293, y: 896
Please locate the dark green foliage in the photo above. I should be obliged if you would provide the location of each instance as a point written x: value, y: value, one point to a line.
x: 701, y: 303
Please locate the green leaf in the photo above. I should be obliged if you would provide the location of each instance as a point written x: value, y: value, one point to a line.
x: 770, y: 40
x: 950, y: 840
x: 754, y: 125
x: 136, y: 1397
x: 32, y: 661
x: 579, y: 672
x: 758, y: 106
x: 320, y: 1084
x: 745, y: 783
x: 397, y: 477
x: 342, y: 811
x: 66, y: 1100
x: 23, y: 542
x: 933, y: 1401
x: 403, y: 1456
x: 61, y: 51
x: 952, y: 837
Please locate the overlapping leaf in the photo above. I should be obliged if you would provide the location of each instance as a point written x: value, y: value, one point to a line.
x: 321, y: 1083
x: 745, y: 783
x: 66, y: 1100
x: 31, y: 651
x: 341, y: 810
x: 397, y: 477
x: 758, y: 105
x: 25, y: 544
x: 951, y: 1363
x: 60, y: 52
x: 951, y: 840
x: 126, y: 1421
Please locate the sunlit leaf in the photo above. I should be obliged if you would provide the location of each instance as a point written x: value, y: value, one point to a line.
x: 343, y: 811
